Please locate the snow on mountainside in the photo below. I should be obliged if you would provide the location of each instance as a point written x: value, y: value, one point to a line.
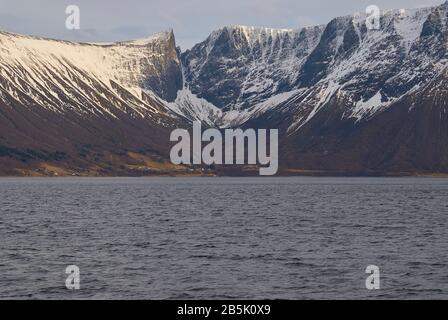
x: 361, y: 63
x: 237, y: 67
x: 89, y: 78
x: 236, y: 74
x: 193, y: 108
x: 240, y: 69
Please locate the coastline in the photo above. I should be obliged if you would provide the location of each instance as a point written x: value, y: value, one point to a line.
x: 282, y: 174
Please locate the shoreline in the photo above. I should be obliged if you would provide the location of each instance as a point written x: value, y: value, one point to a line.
x: 305, y: 175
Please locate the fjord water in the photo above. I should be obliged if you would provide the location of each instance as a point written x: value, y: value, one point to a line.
x: 223, y: 238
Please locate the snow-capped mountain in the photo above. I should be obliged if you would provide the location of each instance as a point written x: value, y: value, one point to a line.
x: 85, y: 104
x: 89, y: 78
x: 244, y: 71
x: 345, y: 98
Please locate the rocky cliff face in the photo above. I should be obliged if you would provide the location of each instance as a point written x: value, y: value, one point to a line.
x: 237, y: 67
x: 373, y: 103
x: 250, y: 70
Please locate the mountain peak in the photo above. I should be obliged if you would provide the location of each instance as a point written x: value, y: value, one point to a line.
x: 256, y: 29
x: 164, y: 36
x: 254, y: 33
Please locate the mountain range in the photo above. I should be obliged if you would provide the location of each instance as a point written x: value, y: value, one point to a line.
x: 346, y: 100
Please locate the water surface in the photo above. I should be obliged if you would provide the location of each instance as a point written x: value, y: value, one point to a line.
x: 223, y: 238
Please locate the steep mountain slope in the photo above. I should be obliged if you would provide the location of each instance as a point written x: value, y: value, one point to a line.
x: 237, y: 67
x: 50, y: 71
x: 246, y: 71
x: 86, y: 103
x: 410, y: 136
x: 374, y: 104
x: 346, y: 99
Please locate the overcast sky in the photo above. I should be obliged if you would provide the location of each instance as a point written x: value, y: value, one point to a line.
x: 192, y: 20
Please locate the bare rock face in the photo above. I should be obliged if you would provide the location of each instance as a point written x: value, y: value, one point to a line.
x: 163, y: 74
x: 246, y: 71
x: 346, y: 99
x: 238, y: 66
